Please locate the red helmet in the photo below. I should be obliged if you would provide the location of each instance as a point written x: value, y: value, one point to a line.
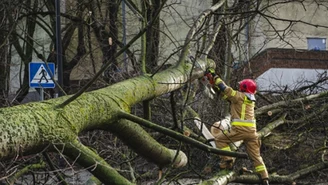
x: 247, y: 85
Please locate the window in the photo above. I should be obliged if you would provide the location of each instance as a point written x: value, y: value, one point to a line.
x: 316, y: 43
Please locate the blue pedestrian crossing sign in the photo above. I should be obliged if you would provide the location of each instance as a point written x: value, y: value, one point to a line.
x: 41, y: 75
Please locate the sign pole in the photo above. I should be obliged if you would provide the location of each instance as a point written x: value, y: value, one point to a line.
x: 59, y: 48
x: 41, y: 94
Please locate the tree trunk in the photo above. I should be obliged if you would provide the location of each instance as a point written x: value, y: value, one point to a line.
x: 152, y: 35
x: 4, y: 65
x: 29, y: 128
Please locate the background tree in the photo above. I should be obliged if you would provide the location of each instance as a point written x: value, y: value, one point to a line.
x: 153, y: 34
x: 4, y: 58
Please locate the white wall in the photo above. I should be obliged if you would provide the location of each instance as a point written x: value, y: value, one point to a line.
x: 276, y: 79
x: 177, y: 22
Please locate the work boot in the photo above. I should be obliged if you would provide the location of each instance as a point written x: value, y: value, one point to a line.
x: 265, y: 181
x: 228, y: 164
x: 244, y: 170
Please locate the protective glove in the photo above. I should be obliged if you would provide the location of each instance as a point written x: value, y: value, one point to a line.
x: 218, y: 80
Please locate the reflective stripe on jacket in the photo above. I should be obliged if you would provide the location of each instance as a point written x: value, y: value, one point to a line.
x: 244, y: 123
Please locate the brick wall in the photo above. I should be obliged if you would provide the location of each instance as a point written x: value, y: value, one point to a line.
x: 287, y: 58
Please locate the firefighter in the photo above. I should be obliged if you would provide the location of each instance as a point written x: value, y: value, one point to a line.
x: 243, y: 126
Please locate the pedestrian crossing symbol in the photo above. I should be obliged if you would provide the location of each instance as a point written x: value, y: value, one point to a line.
x: 40, y: 75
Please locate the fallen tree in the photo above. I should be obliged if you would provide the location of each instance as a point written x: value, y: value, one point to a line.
x: 34, y: 127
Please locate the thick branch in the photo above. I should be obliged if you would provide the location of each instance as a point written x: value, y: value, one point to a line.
x: 93, y: 162
x: 267, y: 108
x: 195, y: 27
x: 179, y: 136
x: 26, y: 170
x: 270, y: 126
x: 222, y: 178
x: 142, y: 143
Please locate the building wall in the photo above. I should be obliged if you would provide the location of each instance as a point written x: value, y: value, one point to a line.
x: 288, y: 58
x: 279, y: 56
x: 176, y: 21
x: 291, y: 35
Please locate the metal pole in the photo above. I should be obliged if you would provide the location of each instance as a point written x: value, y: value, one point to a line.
x: 59, y: 48
x: 41, y: 94
x: 124, y: 34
